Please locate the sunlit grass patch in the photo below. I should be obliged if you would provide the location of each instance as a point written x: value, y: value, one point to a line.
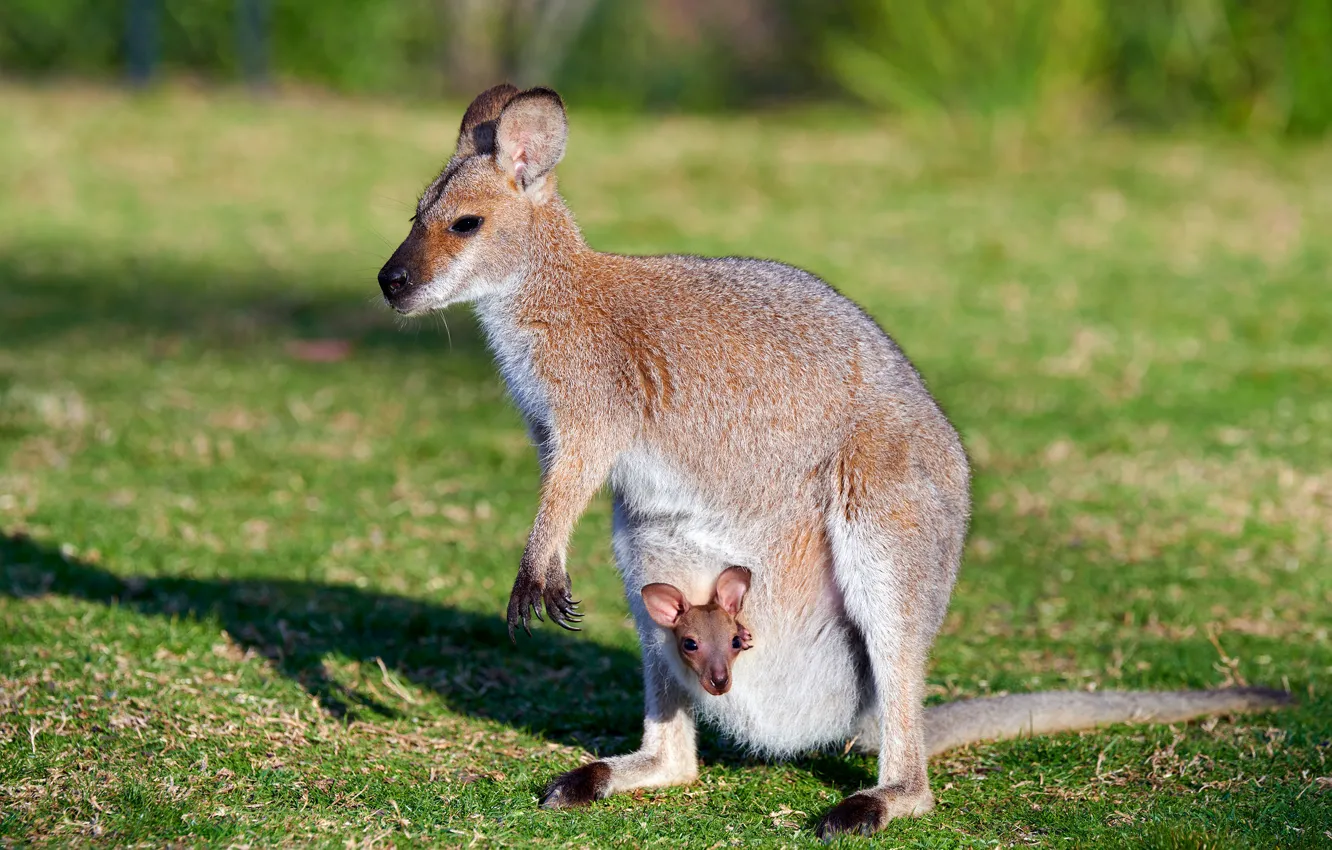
x: 258, y: 536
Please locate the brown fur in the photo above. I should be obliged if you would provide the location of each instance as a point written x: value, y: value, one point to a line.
x: 806, y: 565
x: 755, y: 389
x: 744, y: 413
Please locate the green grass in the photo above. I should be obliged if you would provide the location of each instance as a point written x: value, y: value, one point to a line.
x: 250, y: 598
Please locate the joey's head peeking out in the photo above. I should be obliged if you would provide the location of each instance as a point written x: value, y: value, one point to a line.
x: 708, y: 637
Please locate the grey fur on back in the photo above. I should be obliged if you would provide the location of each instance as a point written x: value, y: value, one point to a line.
x: 957, y: 724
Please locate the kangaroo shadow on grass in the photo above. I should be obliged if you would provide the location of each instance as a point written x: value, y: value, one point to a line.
x: 573, y: 691
x: 562, y: 688
x: 557, y: 686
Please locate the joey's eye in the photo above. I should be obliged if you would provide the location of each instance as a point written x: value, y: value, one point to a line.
x: 689, y: 645
x: 466, y: 224
x: 735, y: 642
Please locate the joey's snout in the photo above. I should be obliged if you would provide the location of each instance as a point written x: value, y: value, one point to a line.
x: 716, y: 682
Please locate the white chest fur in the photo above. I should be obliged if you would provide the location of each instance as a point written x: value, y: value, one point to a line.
x: 799, y: 688
x: 512, y: 347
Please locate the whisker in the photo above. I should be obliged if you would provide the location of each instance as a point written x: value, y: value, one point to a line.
x: 397, y: 202
x: 382, y: 238
x: 447, y: 332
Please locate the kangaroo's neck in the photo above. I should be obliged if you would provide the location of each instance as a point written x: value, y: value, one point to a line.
x: 556, y: 261
x: 556, y: 250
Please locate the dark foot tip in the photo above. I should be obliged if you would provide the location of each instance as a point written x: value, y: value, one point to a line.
x: 577, y: 787
x: 860, y: 814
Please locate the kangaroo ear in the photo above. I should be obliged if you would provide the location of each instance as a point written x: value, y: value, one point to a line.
x: 732, y: 585
x: 665, y: 604
x: 746, y: 639
x: 531, y: 135
x: 477, y: 134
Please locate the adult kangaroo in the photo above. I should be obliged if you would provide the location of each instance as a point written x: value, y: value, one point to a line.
x: 745, y: 414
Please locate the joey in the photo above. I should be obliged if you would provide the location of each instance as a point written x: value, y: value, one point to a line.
x: 708, y: 637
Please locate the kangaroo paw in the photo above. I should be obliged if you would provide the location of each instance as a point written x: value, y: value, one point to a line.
x: 561, y: 607
x: 866, y: 812
x: 577, y: 787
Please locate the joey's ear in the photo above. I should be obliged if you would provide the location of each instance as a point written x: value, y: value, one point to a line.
x: 531, y: 135
x: 477, y: 134
x: 746, y: 639
x: 732, y: 585
x: 665, y: 604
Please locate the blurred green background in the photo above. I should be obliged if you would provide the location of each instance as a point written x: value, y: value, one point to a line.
x: 1257, y: 66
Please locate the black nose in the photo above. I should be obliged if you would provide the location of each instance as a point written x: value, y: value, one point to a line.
x: 392, y: 280
x: 719, y: 682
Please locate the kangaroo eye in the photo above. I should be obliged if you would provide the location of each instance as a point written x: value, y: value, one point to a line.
x: 735, y: 642
x: 466, y: 224
x: 689, y: 645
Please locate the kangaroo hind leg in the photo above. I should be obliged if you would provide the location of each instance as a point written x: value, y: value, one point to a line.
x: 668, y: 756
x: 896, y: 547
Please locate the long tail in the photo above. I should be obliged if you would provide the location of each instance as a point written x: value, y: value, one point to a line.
x: 957, y: 724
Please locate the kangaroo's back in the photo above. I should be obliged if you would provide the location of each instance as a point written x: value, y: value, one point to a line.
x: 756, y: 358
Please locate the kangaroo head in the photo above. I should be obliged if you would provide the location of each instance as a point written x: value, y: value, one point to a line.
x: 708, y: 637
x: 473, y: 231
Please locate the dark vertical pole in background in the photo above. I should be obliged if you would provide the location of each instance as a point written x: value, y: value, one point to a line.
x: 141, y: 43
x: 252, y: 20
